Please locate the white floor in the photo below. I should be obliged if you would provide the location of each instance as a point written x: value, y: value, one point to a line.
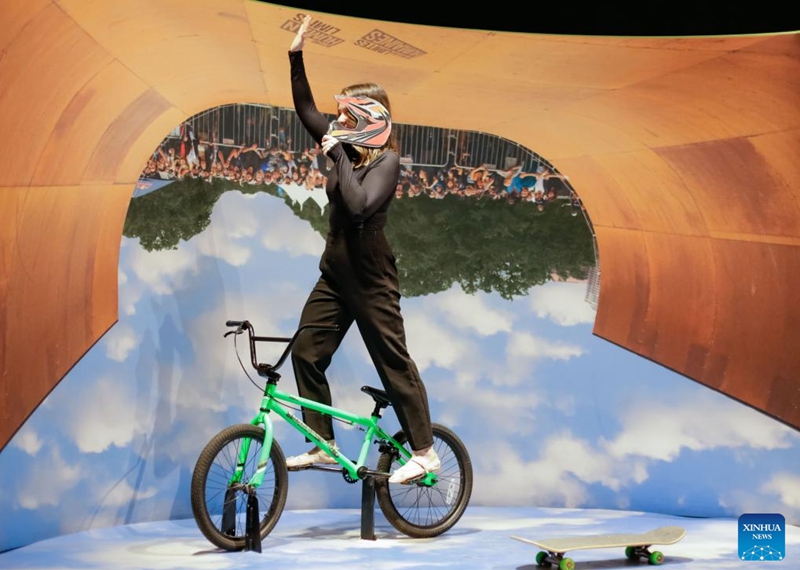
x: 332, y: 539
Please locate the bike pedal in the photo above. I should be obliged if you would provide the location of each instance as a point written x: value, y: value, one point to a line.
x: 421, y: 480
x: 413, y: 481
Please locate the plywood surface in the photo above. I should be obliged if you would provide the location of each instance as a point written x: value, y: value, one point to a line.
x: 684, y: 151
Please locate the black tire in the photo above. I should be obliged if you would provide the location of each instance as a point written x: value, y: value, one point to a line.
x: 210, y: 489
x: 420, y: 511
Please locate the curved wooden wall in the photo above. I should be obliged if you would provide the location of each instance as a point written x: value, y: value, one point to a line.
x: 684, y: 151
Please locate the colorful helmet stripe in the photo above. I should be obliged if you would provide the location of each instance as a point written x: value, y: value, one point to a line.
x: 373, y: 123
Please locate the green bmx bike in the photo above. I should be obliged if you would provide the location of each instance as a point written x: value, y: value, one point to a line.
x: 240, y: 481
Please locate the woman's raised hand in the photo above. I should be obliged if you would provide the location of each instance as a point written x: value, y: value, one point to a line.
x: 328, y: 142
x: 300, y: 38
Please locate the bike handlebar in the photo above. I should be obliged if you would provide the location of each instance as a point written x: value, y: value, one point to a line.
x: 269, y: 370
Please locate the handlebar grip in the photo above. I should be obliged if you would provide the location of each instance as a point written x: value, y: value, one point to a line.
x: 234, y: 323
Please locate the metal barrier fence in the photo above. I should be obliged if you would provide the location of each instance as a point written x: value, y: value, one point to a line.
x: 241, y: 125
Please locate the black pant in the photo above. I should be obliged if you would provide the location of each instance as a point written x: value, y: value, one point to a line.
x: 358, y: 282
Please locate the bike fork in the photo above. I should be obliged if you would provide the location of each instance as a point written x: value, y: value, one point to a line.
x: 263, y: 459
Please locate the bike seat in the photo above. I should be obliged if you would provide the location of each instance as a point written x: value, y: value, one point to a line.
x: 380, y: 396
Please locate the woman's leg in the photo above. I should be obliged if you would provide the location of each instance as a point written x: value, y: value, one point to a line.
x: 313, y: 349
x: 382, y: 329
x: 398, y: 372
x: 377, y: 314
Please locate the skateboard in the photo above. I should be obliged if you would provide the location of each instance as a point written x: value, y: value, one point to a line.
x: 637, y: 546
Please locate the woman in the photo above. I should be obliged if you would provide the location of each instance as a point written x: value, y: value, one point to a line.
x: 358, y: 280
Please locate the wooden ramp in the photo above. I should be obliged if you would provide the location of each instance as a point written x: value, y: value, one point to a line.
x: 683, y: 150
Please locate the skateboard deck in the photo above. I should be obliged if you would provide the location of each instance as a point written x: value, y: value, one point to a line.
x: 637, y: 545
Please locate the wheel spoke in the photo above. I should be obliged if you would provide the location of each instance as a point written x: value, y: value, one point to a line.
x: 214, y: 473
x: 424, y: 511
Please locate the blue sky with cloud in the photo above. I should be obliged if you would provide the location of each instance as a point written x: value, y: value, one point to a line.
x: 552, y: 415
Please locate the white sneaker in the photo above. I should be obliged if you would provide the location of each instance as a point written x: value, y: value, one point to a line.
x: 313, y: 456
x: 420, y: 464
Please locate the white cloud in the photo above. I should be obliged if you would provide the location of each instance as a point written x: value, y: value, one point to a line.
x: 486, y: 405
x: 563, y: 303
x: 218, y: 246
x: 558, y: 477
x: 130, y: 290
x: 498, y: 361
x: 213, y: 383
x: 104, y: 413
x: 237, y: 214
x: 51, y: 478
x: 431, y: 344
x: 462, y: 387
x: 776, y: 496
x: 292, y: 235
x: 235, y: 217
x: 108, y: 499
x: 587, y: 463
x: 164, y: 271
x: 129, y: 296
x: 786, y: 486
x: 27, y: 440
x: 696, y: 423
x: 216, y: 370
x: 119, y: 494
x: 213, y: 352
x: 526, y: 345
x: 120, y: 341
x: 248, y: 215
x: 472, y: 312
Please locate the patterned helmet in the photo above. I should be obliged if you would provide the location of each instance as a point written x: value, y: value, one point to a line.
x: 373, y: 122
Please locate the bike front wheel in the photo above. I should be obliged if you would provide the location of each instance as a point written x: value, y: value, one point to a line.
x: 220, y: 496
x: 422, y: 511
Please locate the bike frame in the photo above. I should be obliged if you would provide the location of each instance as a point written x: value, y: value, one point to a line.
x: 272, y: 401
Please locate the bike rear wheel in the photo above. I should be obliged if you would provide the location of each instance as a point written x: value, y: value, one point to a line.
x: 422, y: 511
x: 219, y: 508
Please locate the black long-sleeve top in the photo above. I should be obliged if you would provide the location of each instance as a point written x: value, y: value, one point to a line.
x: 357, y: 197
